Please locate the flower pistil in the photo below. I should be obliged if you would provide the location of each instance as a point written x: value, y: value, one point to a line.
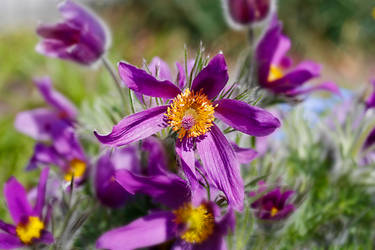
x: 29, y: 230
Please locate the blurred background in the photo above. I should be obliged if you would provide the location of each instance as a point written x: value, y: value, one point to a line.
x: 340, y: 34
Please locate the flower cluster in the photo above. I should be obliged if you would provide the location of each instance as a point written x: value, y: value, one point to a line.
x: 184, y: 150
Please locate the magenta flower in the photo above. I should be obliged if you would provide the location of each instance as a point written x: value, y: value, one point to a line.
x: 29, y: 225
x: 273, y: 205
x: 81, y: 37
x: 246, y: 12
x: 274, y: 67
x: 192, y: 222
x: 370, y: 102
x: 191, y: 114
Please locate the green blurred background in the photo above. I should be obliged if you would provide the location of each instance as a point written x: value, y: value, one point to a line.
x: 338, y: 33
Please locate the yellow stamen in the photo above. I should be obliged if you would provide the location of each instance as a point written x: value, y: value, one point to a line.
x: 275, y: 73
x: 190, y: 114
x: 30, y: 230
x: 77, y: 168
x: 274, y: 211
x: 199, y: 222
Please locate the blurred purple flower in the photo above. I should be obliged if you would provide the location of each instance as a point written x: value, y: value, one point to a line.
x: 370, y: 102
x: 192, y: 221
x: 273, y: 205
x: 242, y: 13
x: 274, y: 67
x: 108, y: 191
x: 81, y: 37
x: 29, y: 225
x: 191, y: 115
x: 39, y: 123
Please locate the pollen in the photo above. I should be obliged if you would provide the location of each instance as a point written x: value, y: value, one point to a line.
x: 275, y: 73
x: 274, y: 211
x: 76, y: 168
x: 30, y: 230
x: 191, y: 114
x: 198, y: 222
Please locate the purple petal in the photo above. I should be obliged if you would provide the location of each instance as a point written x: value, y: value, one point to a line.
x: 170, y: 190
x: 8, y: 228
x: 266, y: 50
x: 370, y: 102
x: 56, y: 99
x: 46, y: 237
x: 187, y: 160
x: 304, y: 72
x: 160, y: 69
x: 157, y: 157
x: 281, y: 50
x: 244, y: 155
x: 370, y: 140
x: 38, y: 208
x: 221, y: 165
x: 212, y: 78
x: 45, y: 155
x: 66, y: 143
x: 36, y: 123
x: 285, y: 212
x: 135, y: 127
x: 284, y: 197
x: 15, y: 196
x: 67, y: 33
x: 146, y: 231
x: 108, y: 191
x: 246, y: 118
x: 181, y: 73
x: 8, y: 241
x: 140, y: 81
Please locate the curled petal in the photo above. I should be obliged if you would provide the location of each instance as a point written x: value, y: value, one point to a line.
x: 246, y: 118
x: 170, y: 190
x: 140, y: 81
x: 16, y: 199
x: 146, y: 231
x: 244, y: 155
x: 212, y: 78
x: 135, y: 127
x: 281, y: 50
x: 221, y: 165
x: 327, y: 86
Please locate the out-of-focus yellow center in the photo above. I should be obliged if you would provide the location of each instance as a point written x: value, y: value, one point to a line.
x: 274, y: 211
x: 30, y: 230
x: 373, y: 13
x: 275, y: 73
x: 77, y: 169
x: 199, y: 222
x: 190, y: 114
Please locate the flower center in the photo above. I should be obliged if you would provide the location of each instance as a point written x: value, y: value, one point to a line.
x: 30, y: 230
x: 77, y: 169
x: 190, y: 114
x: 198, y: 222
x: 274, y: 211
x: 275, y: 73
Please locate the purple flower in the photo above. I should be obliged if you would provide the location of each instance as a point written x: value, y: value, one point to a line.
x: 81, y: 37
x: 108, y: 191
x: 273, y: 205
x: 39, y: 123
x: 274, y: 67
x: 192, y: 222
x: 191, y: 114
x: 29, y: 225
x: 242, y: 13
x: 370, y: 102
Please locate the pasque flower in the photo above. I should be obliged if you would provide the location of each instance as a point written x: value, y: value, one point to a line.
x: 53, y: 125
x: 274, y: 66
x: 29, y: 223
x: 192, y: 221
x: 191, y: 114
x: 81, y: 37
x: 242, y: 13
x: 274, y: 204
